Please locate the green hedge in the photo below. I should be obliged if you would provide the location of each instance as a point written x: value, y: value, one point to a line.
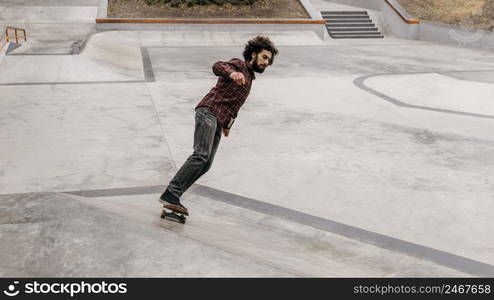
x: 189, y: 3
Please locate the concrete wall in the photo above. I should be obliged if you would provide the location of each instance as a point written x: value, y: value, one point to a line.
x: 378, y: 19
x: 443, y: 33
x: 396, y: 25
x: 313, y: 13
x: 102, y: 9
x: 319, y: 29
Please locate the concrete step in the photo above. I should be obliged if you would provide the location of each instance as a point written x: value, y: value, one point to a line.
x: 353, y: 29
x: 344, y: 12
x: 337, y: 33
x: 349, y: 25
x: 348, y: 21
x: 356, y: 36
x: 345, y: 17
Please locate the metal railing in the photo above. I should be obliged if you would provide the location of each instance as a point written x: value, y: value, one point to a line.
x: 406, y: 19
x: 16, y: 34
x: 6, y: 37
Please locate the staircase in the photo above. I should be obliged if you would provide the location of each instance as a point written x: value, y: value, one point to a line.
x: 350, y: 25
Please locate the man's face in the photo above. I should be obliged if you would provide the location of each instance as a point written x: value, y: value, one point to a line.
x: 260, y: 61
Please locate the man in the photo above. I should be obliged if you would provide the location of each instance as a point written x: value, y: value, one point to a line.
x: 216, y: 113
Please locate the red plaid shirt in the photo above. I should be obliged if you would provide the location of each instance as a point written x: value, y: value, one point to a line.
x: 225, y: 99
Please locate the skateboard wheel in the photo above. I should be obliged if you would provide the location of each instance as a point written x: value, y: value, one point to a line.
x: 172, y: 216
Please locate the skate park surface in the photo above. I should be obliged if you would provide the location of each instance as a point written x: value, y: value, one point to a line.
x: 349, y: 158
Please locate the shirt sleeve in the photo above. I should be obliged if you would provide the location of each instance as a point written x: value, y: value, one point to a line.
x: 224, y: 69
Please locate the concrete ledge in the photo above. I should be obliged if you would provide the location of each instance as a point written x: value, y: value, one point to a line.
x: 102, y: 9
x: 449, y: 34
x: 253, y: 28
x: 212, y: 21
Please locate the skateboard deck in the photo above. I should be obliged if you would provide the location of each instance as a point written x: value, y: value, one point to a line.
x: 168, y: 214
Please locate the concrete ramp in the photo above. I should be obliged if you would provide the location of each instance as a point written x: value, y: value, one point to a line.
x: 53, y: 39
x: 111, y: 57
x: 116, y: 55
x: 52, y: 234
x: 53, y: 26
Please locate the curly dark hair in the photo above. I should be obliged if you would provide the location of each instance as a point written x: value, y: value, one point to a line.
x: 258, y: 44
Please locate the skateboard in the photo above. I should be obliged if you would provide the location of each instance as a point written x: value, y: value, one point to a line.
x: 171, y: 215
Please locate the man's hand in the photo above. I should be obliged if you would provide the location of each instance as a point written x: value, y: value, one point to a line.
x: 226, y: 132
x: 237, y: 77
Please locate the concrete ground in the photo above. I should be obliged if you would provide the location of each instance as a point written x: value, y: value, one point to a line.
x: 349, y: 159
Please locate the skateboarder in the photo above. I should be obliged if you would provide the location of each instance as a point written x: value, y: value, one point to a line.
x: 216, y: 113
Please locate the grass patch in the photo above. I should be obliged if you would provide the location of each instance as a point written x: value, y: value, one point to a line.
x: 478, y: 14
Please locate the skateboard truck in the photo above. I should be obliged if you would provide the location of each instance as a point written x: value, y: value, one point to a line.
x: 173, y: 216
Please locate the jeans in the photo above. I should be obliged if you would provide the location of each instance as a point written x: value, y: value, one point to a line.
x: 207, y: 136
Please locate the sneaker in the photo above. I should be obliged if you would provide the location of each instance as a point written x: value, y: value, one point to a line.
x: 178, y: 208
x: 169, y: 197
x: 172, y: 203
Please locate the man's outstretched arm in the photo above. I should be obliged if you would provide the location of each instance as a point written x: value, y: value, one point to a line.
x: 228, y: 70
x: 224, y: 69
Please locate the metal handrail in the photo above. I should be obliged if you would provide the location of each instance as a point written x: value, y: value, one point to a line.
x: 16, y: 35
x: 405, y: 19
x: 6, y: 35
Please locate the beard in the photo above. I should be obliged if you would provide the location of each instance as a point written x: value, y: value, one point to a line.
x: 257, y: 68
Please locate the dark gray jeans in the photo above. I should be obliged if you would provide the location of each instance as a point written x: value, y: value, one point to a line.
x: 207, y: 136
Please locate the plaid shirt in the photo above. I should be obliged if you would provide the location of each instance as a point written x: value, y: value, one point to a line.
x: 225, y: 99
